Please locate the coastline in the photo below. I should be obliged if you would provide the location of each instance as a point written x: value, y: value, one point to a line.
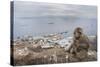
x: 48, y: 50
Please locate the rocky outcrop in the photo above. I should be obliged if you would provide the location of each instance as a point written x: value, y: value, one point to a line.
x: 44, y: 50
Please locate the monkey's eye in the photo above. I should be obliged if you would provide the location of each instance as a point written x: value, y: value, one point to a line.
x: 77, y: 33
x: 80, y: 32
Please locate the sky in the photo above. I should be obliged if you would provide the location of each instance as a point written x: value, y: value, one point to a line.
x: 49, y: 9
x: 33, y: 18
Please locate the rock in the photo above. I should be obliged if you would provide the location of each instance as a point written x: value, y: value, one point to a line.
x: 47, y: 46
x: 66, y: 43
x: 92, y: 55
x: 82, y: 55
x: 21, y: 56
x: 48, y: 49
x: 72, y: 58
x: 21, y: 53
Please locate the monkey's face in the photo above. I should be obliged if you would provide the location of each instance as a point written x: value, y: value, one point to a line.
x: 78, y: 33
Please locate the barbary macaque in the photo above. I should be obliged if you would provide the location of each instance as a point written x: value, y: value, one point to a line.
x: 80, y: 41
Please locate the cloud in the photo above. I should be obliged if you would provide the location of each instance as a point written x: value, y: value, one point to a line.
x: 35, y: 9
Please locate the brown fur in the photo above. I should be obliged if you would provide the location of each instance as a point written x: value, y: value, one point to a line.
x: 80, y: 41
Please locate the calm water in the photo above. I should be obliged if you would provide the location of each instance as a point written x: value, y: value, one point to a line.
x: 41, y: 18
